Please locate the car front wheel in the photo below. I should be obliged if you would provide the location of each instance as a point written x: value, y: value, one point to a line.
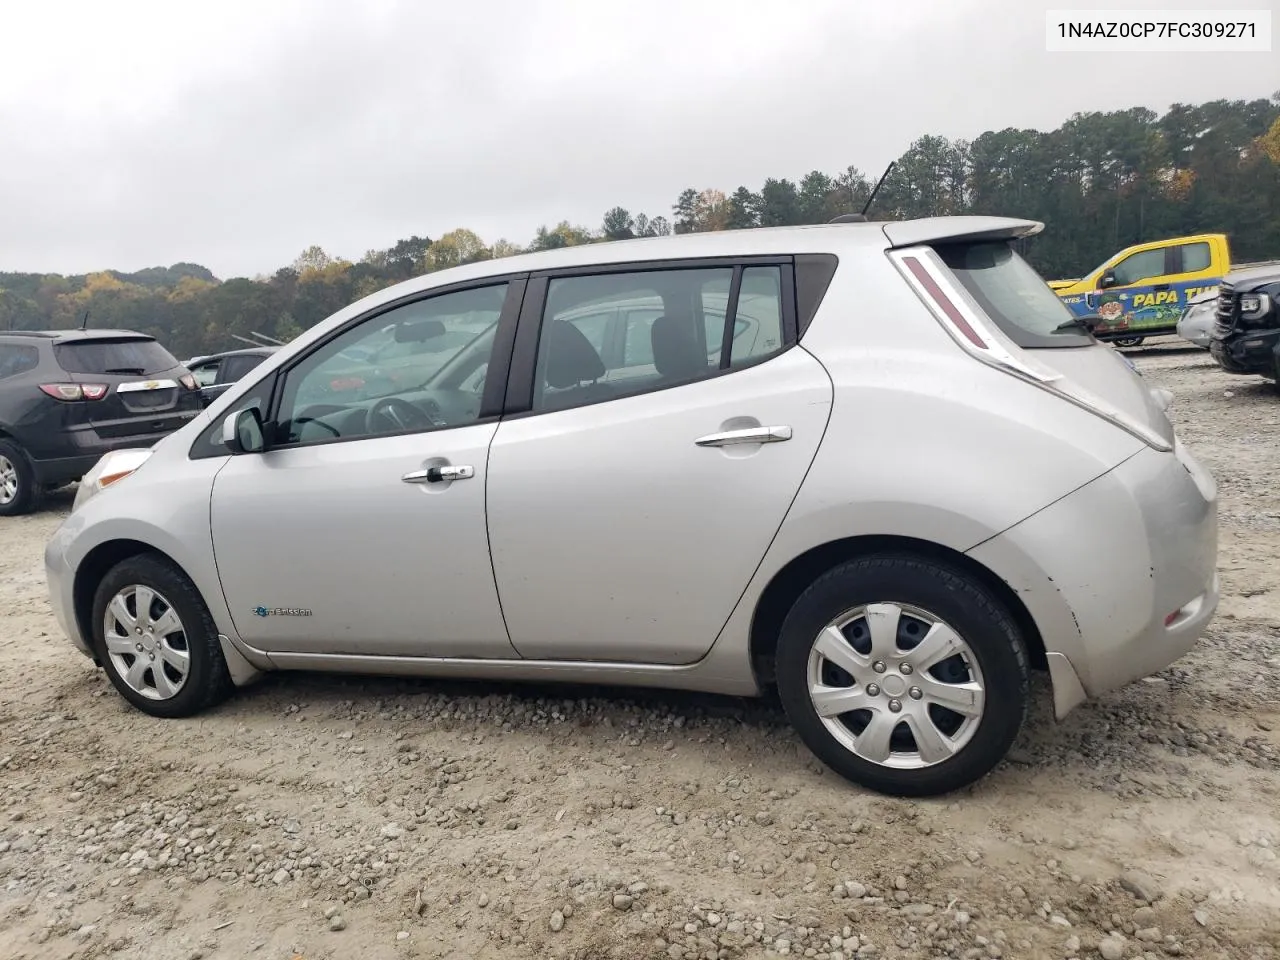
x: 904, y: 675
x: 154, y: 636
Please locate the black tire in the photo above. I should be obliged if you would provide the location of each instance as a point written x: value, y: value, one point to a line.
x: 27, y: 497
x: 208, y: 681
x: 949, y: 594
x: 1129, y: 341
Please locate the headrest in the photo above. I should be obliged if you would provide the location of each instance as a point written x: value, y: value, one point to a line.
x: 571, y: 359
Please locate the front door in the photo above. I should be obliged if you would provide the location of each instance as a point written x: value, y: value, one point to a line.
x: 630, y: 507
x: 361, y: 529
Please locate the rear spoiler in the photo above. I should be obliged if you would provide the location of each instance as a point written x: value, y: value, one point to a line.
x: 930, y: 230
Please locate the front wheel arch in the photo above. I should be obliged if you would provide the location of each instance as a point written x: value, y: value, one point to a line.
x: 794, y: 578
x: 94, y: 567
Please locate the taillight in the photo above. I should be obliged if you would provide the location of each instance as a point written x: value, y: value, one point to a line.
x: 75, y: 391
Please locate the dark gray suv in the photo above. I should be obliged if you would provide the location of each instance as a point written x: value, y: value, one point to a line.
x: 69, y: 396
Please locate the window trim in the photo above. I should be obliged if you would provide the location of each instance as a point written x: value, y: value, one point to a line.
x: 524, y: 360
x: 496, y: 378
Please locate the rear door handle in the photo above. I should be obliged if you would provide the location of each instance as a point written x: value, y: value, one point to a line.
x: 746, y: 435
x: 439, y: 474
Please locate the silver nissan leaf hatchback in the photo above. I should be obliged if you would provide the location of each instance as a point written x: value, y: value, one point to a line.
x: 878, y: 466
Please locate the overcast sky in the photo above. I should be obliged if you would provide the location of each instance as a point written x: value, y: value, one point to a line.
x: 234, y: 134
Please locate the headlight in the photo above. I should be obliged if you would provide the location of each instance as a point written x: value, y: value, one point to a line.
x: 1254, y: 305
x: 112, y: 468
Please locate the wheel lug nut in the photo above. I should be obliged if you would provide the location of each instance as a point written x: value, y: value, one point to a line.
x: 916, y: 693
x: 139, y: 648
x: 878, y: 666
x: 151, y: 656
x: 905, y: 669
x: 895, y: 705
x: 873, y: 690
x: 138, y: 631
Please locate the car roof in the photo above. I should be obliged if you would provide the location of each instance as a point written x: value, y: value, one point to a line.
x: 71, y: 336
x: 245, y: 352
x: 759, y: 241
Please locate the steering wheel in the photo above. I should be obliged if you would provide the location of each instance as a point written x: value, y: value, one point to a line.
x: 402, y: 415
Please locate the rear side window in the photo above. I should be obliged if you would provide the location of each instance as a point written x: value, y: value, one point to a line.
x: 1013, y: 295
x: 233, y: 368
x: 17, y: 359
x: 134, y: 356
x: 1196, y: 257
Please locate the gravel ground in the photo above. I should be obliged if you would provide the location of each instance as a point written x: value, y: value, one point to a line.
x: 316, y: 817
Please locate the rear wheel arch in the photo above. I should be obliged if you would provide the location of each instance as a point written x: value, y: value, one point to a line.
x: 792, y: 580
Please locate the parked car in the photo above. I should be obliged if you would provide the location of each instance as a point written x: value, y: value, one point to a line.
x: 69, y: 396
x: 919, y: 478
x: 1197, y: 320
x: 1246, y: 336
x: 217, y: 371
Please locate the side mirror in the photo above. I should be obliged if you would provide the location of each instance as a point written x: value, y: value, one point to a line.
x: 1108, y: 279
x: 242, y: 431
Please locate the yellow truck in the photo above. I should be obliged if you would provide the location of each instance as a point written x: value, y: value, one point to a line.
x: 1141, y: 291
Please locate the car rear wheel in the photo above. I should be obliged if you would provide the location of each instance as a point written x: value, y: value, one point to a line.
x: 903, y: 675
x: 154, y: 636
x: 19, y: 491
x: 1129, y: 341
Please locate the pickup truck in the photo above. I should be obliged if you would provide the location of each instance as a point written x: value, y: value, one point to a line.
x: 1143, y: 290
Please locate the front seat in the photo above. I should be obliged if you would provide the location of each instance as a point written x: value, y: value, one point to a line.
x: 572, y: 367
x: 676, y: 352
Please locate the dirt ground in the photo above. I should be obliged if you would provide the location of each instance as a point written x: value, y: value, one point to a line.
x: 316, y: 817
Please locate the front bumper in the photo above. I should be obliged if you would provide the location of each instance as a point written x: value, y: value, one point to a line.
x: 1121, y: 575
x: 1247, y: 352
x: 61, y: 580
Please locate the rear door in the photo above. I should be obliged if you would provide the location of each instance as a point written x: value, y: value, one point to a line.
x: 629, y: 507
x: 148, y: 393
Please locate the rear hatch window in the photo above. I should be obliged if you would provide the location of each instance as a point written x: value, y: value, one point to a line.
x: 133, y: 356
x: 1013, y: 295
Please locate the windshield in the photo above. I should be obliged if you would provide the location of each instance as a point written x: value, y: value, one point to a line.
x: 133, y: 357
x: 1013, y: 295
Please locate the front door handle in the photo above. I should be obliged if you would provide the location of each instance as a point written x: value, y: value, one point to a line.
x: 746, y: 435
x: 439, y: 474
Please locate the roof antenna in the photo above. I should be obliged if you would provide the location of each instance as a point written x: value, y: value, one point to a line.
x: 84, y: 320
x: 862, y: 217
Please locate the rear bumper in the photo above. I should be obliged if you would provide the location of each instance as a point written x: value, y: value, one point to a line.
x: 1121, y: 575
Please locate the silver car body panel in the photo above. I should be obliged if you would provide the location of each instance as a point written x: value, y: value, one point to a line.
x: 1100, y: 536
x: 652, y: 536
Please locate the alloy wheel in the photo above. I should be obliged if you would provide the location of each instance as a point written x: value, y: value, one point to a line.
x: 8, y: 481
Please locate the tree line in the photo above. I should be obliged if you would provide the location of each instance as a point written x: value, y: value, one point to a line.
x: 1100, y: 182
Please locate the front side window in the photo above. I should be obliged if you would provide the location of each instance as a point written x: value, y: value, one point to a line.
x: 419, y: 366
x: 664, y: 328
x: 205, y: 373
x: 1138, y: 267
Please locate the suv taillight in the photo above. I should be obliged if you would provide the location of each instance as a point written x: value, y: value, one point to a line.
x: 75, y: 391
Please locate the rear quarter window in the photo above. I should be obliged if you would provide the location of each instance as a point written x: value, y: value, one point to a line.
x: 17, y: 359
x: 1013, y: 295
x: 134, y: 356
